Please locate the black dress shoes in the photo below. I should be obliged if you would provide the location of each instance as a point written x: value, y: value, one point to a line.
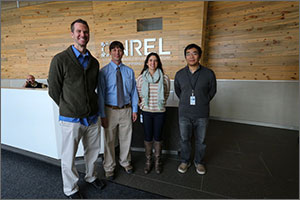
x: 99, y: 184
x: 76, y: 195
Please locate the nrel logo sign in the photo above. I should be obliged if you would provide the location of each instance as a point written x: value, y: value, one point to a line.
x: 135, y: 46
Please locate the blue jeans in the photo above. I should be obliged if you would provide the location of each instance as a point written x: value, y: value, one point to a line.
x: 153, y: 124
x: 187, y: 126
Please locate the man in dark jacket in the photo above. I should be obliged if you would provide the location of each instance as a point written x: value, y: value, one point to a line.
x: 195, y: 86
x: 73, y: 78
x: 32, y: 83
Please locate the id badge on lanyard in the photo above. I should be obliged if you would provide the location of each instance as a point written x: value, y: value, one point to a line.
x: 192, y: 99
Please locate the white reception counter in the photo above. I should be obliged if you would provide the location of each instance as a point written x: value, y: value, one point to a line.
x: 29, y: 117
x: 29, y: 121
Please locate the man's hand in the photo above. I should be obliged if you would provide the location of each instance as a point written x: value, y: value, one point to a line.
x: 134, y: 116
x: 26, y: 83
x: 104, y: 122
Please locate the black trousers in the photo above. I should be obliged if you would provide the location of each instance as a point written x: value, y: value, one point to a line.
x: 153, y: 124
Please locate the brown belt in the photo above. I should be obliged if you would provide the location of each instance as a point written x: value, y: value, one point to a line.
x: 116, y: 107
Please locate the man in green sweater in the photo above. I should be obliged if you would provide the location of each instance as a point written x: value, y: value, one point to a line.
x: 73, y: 79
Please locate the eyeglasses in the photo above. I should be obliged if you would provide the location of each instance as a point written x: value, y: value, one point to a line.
x: 193, y: 53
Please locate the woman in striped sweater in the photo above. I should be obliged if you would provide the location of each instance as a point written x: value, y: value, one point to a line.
x: 153, y: 88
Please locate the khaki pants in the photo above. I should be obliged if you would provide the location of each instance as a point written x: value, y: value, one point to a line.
x: 71, y: 135
x: 119, y: 125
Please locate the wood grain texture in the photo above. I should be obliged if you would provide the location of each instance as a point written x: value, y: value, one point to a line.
x: 253, y: 40
x: 182, y: 24
x: 33, y: 34
x: 240, y: 40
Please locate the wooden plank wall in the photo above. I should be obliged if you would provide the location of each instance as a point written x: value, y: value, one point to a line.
x: 253, y: 40
x: 11, y: 4
x: 182, y: 24
x: 32, y: 35
x: 244, y: 40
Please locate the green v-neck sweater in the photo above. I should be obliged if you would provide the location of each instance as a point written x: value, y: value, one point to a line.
x: 72, y: 87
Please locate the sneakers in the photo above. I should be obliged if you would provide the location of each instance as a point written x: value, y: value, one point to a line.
x: 200, y: 169
x: 183, y: 167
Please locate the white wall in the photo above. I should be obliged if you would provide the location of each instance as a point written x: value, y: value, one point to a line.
x: 267, y: 103
x: 29, y: 121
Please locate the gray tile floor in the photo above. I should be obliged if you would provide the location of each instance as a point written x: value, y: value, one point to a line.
x: 243, y: 161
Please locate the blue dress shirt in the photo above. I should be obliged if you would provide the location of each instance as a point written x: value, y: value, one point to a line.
x: 107, y: 85
x: 83, y: 60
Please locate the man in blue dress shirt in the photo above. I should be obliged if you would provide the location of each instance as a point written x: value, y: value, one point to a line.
x: 73, y: 79
x: 120, y: 110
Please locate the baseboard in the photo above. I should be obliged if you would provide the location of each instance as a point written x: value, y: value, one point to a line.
x: 44, y: 158
x: 53, y: 161
x: 255, y: 123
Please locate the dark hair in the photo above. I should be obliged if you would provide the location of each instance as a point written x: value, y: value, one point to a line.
x: 190, y: 46
x: 79, y: 21
x: 115, y: 44
x: 159, y: 66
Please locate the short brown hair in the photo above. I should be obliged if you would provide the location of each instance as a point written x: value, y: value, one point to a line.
x: 115, y: 44
x: 79, y: 21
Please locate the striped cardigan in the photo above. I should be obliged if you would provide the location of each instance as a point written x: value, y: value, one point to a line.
x: 152, y: 106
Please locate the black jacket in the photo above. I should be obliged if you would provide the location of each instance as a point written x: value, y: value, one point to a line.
x: 204, y: 81
x: 36, y: 85
x: 72, y: 87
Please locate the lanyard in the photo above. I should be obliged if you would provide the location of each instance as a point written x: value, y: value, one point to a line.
x: 192, y: 86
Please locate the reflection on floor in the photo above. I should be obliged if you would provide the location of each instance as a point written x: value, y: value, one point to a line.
x: 243, y: 161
